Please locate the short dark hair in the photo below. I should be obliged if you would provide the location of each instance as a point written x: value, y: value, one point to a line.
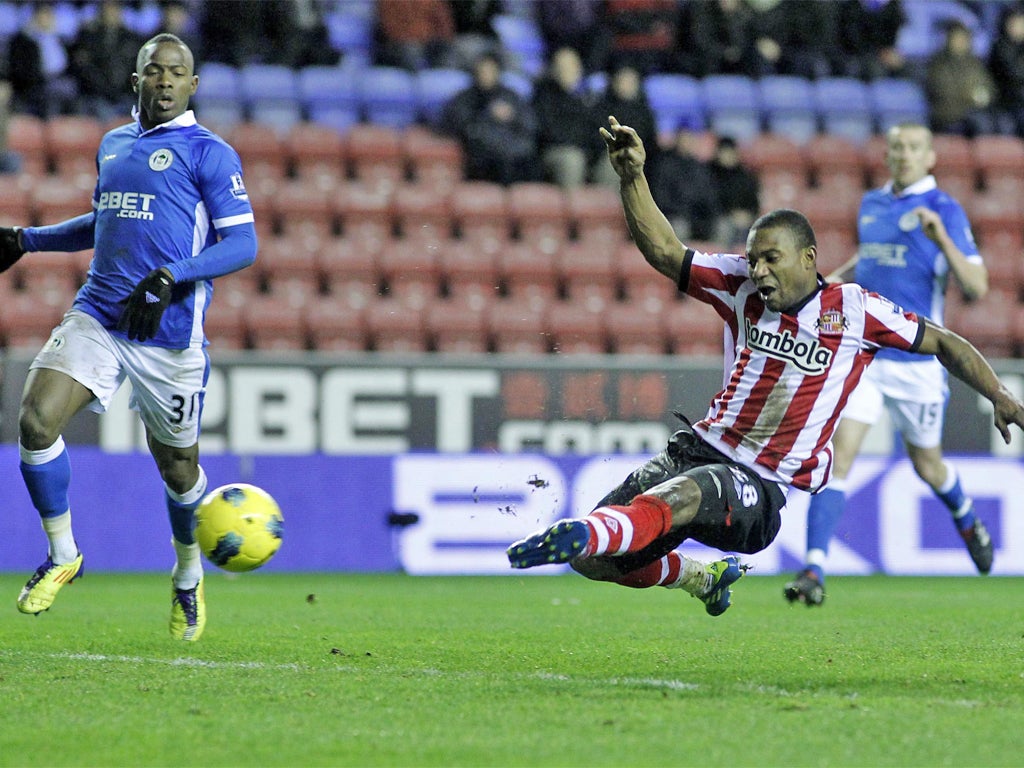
x: 792, y: 220
x: 162, y: 37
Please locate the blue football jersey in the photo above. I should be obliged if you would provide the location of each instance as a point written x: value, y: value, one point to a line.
x: 161, y: 197
x: 897, y: 260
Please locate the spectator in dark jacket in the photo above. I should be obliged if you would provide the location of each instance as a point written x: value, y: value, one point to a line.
x: 738, y: 193
x: 103, y: 57
x: 867, y: 36
x: 497, y: 128
x: 37, y: 66
x: 1006, y: 64
x: 566, y: 126
x: 683, y: 188
x: 625, y: 98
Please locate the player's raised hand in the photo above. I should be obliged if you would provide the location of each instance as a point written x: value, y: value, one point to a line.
x: 625, y: 150
x: 931, y: 223
x: 10, y: 247
x: 1008, y: 410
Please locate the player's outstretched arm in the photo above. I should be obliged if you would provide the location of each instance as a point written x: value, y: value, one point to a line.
x: 965, y: 362
x: 651, y: 231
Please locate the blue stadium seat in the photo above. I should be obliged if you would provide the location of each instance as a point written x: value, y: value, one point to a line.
x: 677, y: 102
x: 271, y: 94
x: 435, y: 87
x: 521, y: 37
x: 844, y: 108
x: 387, y: 96
x: 895, y: 101
x: 787, y: 106
x: 328, y: 96
x: 732, y: 105
x: 218, y: 100
x: 351, y: 34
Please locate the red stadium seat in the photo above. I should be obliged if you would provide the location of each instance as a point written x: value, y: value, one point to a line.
x: 25, y: 322
x: 15, y: 206
x: 396, y: 327
x: 237, y: 288
x: 303, y: 208
x: 317, y: 154
x: 988, y: 324
x: 335, y: 327
x: 997, y: 220
x: 411, y: 272
x: 45, y: 272
x: 54, y: 200
x: 350, y: 271
x: 641, y: 283
x: 575, y: 329
x: 954, y: 165
x: 539, y: 214
x: 365, y: 213
x: 25, y: 135
x: 480, y: 211
x: 290, y: 268
x: 261, y: 149
x: 693, y: 328
x: 470, y: 276
x: 774, y: 152
x: 457, y: 328
x: 434, y: 161
x: 1000, y: 164
x: 274, y: 324
x: 874, y: 160
x: 375, y: 155
x: 595, y: 214
x: 831, y: 157
x: 530, y: 276
x: 71, y: 143
x: 422, y: 213
x: 516, y: 327
x: 589, y: 273
x: 225, y: 326
x: 634, y: 329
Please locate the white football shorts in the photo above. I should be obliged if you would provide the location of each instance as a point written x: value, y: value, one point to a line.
x: 915, y: 393
x: 168, y: 385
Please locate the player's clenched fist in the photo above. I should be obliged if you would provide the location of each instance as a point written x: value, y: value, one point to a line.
x: 10, y: 247
x: 146, y: 306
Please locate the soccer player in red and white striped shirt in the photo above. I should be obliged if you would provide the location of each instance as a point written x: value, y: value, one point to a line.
x: 801, y: 346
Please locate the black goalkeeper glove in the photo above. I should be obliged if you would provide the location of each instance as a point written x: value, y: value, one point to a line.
x: 10, y: 250
x: 146, y: 305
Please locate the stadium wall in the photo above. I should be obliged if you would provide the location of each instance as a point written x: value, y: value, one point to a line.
x: 479, y: 452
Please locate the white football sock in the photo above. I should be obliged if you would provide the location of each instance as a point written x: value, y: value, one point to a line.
x: 188, y: 569
x: 62, y: 542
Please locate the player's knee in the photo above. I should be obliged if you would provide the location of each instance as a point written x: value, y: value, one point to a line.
x: 36, y: 429
x: 596, y: 568
x: 179, y: 473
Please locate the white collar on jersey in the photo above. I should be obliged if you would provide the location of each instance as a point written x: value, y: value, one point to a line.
x: 918, y: 187
x: 184, y: 120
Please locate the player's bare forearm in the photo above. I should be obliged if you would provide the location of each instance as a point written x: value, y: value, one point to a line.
x: 651, y: 231
x: 961, y: 359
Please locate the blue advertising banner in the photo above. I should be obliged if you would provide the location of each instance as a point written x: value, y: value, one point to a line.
x: 467, y: 508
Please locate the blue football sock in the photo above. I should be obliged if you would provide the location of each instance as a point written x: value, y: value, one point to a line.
x: 47, y: 475
x: 181, y: 508
x: 952, y: 495
x: 823, y: 513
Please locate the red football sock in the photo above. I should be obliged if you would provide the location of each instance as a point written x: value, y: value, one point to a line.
x: 660, y: 573
x: 615, y: 530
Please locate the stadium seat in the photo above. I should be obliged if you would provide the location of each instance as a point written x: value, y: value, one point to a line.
x: 262, y: 150
x: 787, y: 107
x: 387, y: 96
x: 236, y: 288
x: 54, y: 200
x: 595, y: 214
x: 316, y: 153
x: 470, y: 276
x: 349, y: 269
x: 530, y: 276
x: 26, y: 136
x: 375, y: 155
x: 833, y: 208
x: 575, y: 329
x: 289, y: 266
x: 634, y: 329
x: 844, y: 108
x: 435, y: 87
x: 538, y: 214
x: 15, y: 206
x: 271, y: 95
x: 954, y: 166
x: 693, y: 329
x: 677, y: 102
x: 300, y: 207
x: 50, y: 273
x: 835, y: 161
x: 26, y: 322
x: 988, y: 324
x: 396, y: 327
x: 411, y: 272
x: 224, y: 326
x: 776, y: 154
x: 897, y: 100
x: 480, y: 212
x: 218, y: 101
x: 874, y: 151
x: 641, y: 284
x: 365, y: 213
x: 588, y: 273
x: 997, y: 221
x: 72, y: 142
x: 351, y: 34
x: 732, y: 106
x: 329, y: 97
x: 517, y: 328
x: 521, y: 37
x: 1000, y: 163
x: 335, y: 327
x: 456, y: 328
x: 434, y: 161
x: 422, y: 213
x: 273, y: 323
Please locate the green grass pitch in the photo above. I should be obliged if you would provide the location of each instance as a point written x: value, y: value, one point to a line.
x: 392, y: 670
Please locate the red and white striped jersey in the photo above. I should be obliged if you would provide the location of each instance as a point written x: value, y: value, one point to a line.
x: 790, y: 375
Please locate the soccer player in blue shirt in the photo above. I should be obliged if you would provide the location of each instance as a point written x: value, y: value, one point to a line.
x: 169, y: 214
x: 912, y: 238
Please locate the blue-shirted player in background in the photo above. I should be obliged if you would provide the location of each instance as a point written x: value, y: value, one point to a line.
x: 169, y: 214
x: 912, y: 237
